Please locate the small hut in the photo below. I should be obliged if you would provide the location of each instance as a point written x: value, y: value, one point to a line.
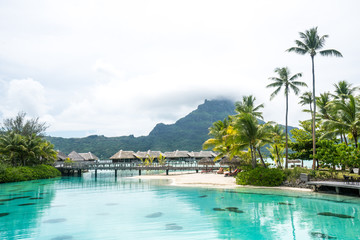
x: 197, y: 156
x: 61, y: 156
x: 206, y: 161
x: 124, y: 156
x: 294, y: 163
x: 149, y: 153
x: 74, y: 156
x: 177, y: 155
x: 234, y: 162
x: 89, y: 156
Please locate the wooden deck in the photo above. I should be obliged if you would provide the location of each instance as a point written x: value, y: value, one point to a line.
x: 79, y: 167
x: 337, y: 185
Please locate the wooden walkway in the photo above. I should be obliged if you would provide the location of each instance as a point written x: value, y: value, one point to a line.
x: 80, y: 167
x: 337, y: 185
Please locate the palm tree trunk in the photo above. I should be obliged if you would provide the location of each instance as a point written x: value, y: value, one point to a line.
x: 278, y: 156
x: 345, y: 140
x: 313, y: 117
x: 286, y: 131
x: 261, y: 158
x: 253, y: 159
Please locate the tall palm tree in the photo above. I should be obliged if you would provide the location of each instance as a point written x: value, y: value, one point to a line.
x: 288, y: 82
x: 311, y: 43
x: 343, y: 89
x: 247, y: 105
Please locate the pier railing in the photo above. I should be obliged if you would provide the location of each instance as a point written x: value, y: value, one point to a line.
x: 175, y: 166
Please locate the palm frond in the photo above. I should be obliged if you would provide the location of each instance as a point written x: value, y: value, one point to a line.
x: 330, y: 52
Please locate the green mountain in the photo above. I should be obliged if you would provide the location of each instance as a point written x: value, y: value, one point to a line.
x: 188, y: 133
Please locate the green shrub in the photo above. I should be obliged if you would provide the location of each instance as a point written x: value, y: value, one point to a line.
x: 17, y: 174
x: 261, y: 177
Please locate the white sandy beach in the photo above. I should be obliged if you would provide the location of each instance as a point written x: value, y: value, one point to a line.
x: 210, y: 180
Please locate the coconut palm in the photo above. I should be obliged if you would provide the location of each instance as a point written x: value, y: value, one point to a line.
x: 249, y: 133
x: 348, y: 118
x: 247, y: 105
x: 278, y: 142
x: 343, y: 89
x: 311, y: 43
x: 220, y: 131
x: 289, y: 83
x: 306, y: 99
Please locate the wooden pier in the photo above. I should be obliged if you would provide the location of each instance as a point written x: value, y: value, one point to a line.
x: 338, y: 186
x: 80, y: 167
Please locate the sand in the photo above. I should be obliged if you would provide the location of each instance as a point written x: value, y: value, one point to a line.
x: 209, y: 180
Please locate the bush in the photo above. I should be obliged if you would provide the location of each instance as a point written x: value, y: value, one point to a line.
x: 17, y: 174
x: 261, y: 177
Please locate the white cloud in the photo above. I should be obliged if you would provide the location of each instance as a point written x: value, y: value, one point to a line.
x: 120, y: 67
x: 25, y: 95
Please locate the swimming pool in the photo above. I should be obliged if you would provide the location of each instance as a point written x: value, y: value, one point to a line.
x: 123, y: 208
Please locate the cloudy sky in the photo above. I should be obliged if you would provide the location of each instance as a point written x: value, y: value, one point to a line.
x: 119, y: 67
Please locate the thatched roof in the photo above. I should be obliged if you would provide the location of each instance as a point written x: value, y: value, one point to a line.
x: 206, y: 161
x: 61, y: 156
x: 89, y: 156
x: 149, y: 153
x: 74, y: 156
x: 294, y: 161
x: 231, y: 162
x: 123, y: 155
x: 177, y: 154
x: 203, y: 154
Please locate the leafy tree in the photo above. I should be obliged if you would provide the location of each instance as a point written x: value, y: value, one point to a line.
x: 289, y: 83
x: 24, y: 127
x: 311, y: 43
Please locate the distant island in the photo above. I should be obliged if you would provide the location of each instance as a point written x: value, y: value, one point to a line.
x: 187, y: 133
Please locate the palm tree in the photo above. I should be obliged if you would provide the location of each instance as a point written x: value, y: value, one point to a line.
x: 348, y: 117
x: 278, y: 141
x: 288, y: 82
x: 312, y: 44
x: 306, y: 98
x: 343, y: 89
x: 220, y: 131
x: 247, y: 105
x: 249, y: 133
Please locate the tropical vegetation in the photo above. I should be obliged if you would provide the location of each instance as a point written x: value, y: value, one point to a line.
x: 24, y: 151
x: 330, y: 137
x: 311, y: 43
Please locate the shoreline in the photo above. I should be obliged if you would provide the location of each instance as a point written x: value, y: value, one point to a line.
x: 208, y: 180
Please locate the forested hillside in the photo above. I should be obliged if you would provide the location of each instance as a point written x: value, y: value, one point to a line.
x: 188, y: 133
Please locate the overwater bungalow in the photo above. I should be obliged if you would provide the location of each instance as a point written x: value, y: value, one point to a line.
x: 153, y: 154
x: 124, y: 156
x: 178, y: 156
x: 74, y: 156
x: 89, y: 156
x: 61, y: 156
x: 197, y: 156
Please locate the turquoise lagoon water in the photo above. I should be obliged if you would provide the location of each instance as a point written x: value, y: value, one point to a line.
x: 124, y: 208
